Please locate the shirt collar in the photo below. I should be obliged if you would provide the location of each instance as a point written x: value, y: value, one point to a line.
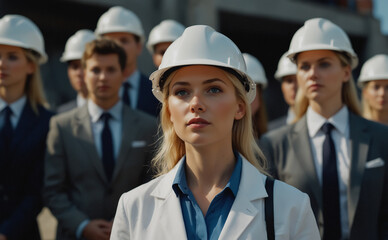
x: 179, y: 185
x: 134, y: 79
x: 95, y: 111
x: 315, y: 121
x: 16, y: 107
x: 80, y: 100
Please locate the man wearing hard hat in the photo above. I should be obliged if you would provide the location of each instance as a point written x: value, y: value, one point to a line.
x: 161, y: 37
x: 123, y: 26
x: 72, y: 55
x: 286, y: 74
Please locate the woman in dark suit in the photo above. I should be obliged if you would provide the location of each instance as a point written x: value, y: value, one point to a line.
x: 331, y: 153
x: 23, y: 127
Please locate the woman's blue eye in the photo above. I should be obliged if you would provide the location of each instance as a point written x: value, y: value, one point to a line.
x: 324, y: 64
x: 214, y: 90
x: 181, y: 93
x: 304, y: 67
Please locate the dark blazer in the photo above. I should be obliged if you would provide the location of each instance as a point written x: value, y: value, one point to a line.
x: 277, y: 123
x: 67, y: 106
x: 289, y: 151
x: 146, y: 101
x: 21, y: 176
x: 76, y: 187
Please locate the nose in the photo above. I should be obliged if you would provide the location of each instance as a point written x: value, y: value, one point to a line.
x: 312, y: 72
x: 196, y: 105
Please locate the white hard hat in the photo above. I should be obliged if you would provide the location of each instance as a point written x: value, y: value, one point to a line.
x: 285, y: 67
x: 376, y: 68
x: 202, y: 45
x: 19, y: 31
x: 119, y: 19
x: 255, y: 70
x: 166, y: 31
x: 75, y: 45
x: 321, y: 34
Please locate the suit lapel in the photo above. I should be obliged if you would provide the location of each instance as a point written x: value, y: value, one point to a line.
x: 245, y: 208
x: 169, y: 213
x: 128, y: 125
x: 299, y: 139
x: 27, y: 121
x: 359, y: 145
x: 83, y: 132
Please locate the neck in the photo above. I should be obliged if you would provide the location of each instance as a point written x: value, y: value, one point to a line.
x: 129, y: 70
x: 292, y: 108
x: 83, y: 93
x: 328, y: 108
x: 105, y: 104
x: 379, y: 116
x: 209, y: 167
x: 10, y: 95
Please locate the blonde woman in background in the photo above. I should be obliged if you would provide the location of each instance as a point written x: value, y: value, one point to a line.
x: 24, y: 124
x: 210, y: 184
x: 331, y: 153
x: 258, y: 110
x: 374, y: 84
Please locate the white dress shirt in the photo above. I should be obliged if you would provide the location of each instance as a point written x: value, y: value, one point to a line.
x: 97, y: 124
x: 81, y: 100
x: 290, y: 116
x: 340, y: 136
x: 134, y: 81
x: 17, y: 109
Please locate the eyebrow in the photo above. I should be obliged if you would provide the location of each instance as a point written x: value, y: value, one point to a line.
x: 320, y: 59
x: 212, y: 80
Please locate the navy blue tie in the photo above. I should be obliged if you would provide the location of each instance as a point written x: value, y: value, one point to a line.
x: 330, y: 188
x: 126, y: 98
x: 7, y: 130
x: 107, y: 146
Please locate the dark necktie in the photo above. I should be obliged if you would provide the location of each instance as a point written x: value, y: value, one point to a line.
x: 7, y: 130
x: 126, y: 98
x: 330, y: 188
x: 107, y: 146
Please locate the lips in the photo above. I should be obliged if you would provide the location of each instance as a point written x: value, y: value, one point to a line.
x: 198, y: 121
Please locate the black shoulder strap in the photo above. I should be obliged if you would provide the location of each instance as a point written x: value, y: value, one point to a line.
x: 269, y: 212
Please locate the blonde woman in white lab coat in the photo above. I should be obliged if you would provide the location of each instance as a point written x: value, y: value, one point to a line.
x: 210, y: 184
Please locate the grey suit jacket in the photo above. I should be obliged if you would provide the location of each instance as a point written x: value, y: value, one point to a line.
x: 76, y: 187
x: 288, y: 150
x: 67, y: 106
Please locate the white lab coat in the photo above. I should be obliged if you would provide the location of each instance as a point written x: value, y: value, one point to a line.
x: 153, y: 211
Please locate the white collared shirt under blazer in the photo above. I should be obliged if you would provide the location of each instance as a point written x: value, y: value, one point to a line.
x: 153, y: 211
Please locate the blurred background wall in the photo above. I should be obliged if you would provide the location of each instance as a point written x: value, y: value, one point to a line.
x: 263, y: 28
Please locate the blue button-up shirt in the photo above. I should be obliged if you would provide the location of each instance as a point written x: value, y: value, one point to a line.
x: 208, y: 227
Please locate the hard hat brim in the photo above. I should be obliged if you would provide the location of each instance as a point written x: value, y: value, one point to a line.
x: 156, y: 75
x: 4, y: 41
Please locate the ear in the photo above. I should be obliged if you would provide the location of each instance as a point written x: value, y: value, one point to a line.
x: 139, y: 48
x: 347, y: 73
x: 241, y: 110
x: 30, y: 67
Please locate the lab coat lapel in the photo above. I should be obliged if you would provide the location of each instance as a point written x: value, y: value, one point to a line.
x: 359, y: 145
x: 83, y: 132
x: 245, y: 207
x: 171, y: 221
x: 299, y: 139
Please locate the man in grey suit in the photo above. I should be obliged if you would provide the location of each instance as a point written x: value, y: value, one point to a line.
x: 96, y: 152
x: 289, y: 150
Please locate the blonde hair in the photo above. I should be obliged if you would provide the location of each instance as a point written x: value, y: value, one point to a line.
x: 365, y: 106
x: 349, y: 93
x: 171, y: 148
x: 259, y: 119
x: 34, y: 87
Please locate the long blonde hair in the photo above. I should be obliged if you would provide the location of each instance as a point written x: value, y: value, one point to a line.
x: 349, y: 93
x: 34, y: 87
x: 171, y: 148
